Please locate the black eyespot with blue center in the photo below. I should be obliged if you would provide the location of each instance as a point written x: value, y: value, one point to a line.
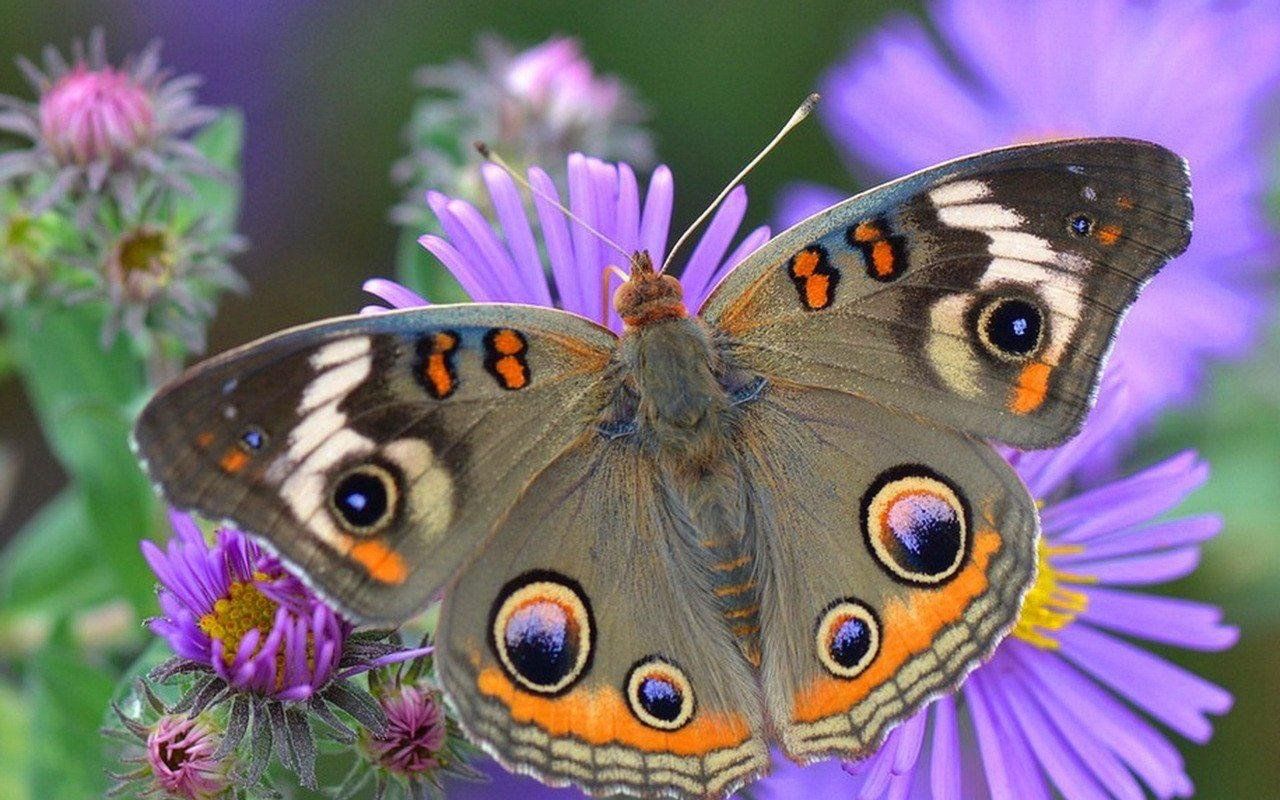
x: 1011, y: 328
x: 364, y: 499
x: 541, y: 630
x: 847, y: 637
x: 253, y: 439
x: 659, y: 693
x: 1081, y: 225
x: 916, y: 523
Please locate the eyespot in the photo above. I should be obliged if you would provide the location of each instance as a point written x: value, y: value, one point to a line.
x: 1081, y: 225
x: 847, y: 638
x: 659, y: 694
x: 1010, y: 328
x: 364, y: 499
x: 542, y: 631
x: 916, y: 523
x: 253, y: 438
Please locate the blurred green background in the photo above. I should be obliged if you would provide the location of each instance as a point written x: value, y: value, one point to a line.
x: 326, y: 89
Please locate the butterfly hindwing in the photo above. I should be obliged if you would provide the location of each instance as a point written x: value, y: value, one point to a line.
x: 982, y: 293
x: 375, y: 452
x: 584, y: 645
x: 894, y: 555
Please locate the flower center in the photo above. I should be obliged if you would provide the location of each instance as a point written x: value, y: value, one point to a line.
x: 1051, y: 604
x: 243, y: 609
x: 144, y: 251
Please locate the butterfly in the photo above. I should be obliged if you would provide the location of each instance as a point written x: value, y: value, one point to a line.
x: 775, y: 522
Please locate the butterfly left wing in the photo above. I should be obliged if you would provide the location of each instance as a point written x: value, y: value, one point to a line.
x: 374, y: 453
x: 982, y: 293
x: 584, y: 645
x: 893, y: 555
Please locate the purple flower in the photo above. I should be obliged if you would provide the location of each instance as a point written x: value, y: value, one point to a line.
x: 605, y: 196
x: 1059, y: 709
x: 1187, y: 75
x: 96, y: 126
x: 410, y: 744
x: 533, y: 107
x: 234, y: 609
x: 181, y: 755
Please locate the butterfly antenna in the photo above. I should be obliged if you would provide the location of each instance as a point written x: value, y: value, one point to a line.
x: 796, y: 119
x: 496, y: 160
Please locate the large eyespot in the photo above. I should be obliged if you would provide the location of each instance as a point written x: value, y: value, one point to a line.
x: 364, y: 499
x: 1010, y: 328
x: 659, y: 694
x: 917, y: 524
x: 847, y: 638
x: 542, y: 631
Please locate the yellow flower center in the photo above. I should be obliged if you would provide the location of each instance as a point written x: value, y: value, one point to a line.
x: 146, y: 250
x: 1051, y: 604
x: 243, y: 609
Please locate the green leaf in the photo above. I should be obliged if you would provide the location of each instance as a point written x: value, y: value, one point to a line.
x: 15, y: 744
x: 67, y: 697
x: 217, y: 201
x: 84, y: 396
x: 50, y: 567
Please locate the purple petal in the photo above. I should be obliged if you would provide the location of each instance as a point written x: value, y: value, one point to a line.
x: 1142, y: 570
x: 555, y: 235
x: 714, y: 243
x: 395, y: 294
x: 1168, y: 620
x: 509, y: 207
x: 655, y: 221
x: 944, y: 775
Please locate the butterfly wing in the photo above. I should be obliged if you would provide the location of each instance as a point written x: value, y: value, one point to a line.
x: 584, y: 646
x: 982, y: 293
x: 894, y: 554
x: 374, y: 453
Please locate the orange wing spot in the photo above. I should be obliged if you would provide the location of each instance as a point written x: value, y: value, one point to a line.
x: 1125, y: 202
x: 511, y: 371
x: 882, y: 258
x: 745, y: 630
x: 601, y: 716
x: 204, y: 439
x: 507, y: 342
x: 816, y: 288
x: 383, y: 564
x: 736, y: 589
x: 910, y: 628
x: 233, y: 460
x: 1109, y: 234
x: 804, y: 263
x: 867, y: 232
x: 438, y: 374
x: 1032, y: 388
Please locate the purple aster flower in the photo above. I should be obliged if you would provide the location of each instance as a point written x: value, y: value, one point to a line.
x: 173, y: 755
x: 1013, y: 71
x: 261, y: 639
x: 411, y: 742
x: 607, y: 197
x: 1061, y: 707
x: 535, y: 107
x: 97, y: 127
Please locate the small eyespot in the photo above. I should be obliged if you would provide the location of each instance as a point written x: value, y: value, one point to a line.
x: 1010, y: 328
x: 253, y: 438
x: 364, y: 499
x: 847, y: 638
x: 542, y: 631
x: 1081, y: 225
x: 659, y: 694
x: 916, y: 524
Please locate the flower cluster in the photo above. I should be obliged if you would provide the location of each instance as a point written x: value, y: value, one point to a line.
x: 104, y: 205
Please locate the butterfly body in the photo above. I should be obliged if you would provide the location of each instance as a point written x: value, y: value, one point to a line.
x: 775, y: 521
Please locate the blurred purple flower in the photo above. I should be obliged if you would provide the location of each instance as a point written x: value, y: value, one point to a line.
x: 1188, y: 75
x: 415, y: 733
x: 532, y: 107
x: 607, y: 197
x: 236, y: 610
x: 181, y: 756
x: 1054, y: 712
x: 96, y: 126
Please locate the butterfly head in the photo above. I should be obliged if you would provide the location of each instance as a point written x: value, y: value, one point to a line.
x: 648, y: 296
